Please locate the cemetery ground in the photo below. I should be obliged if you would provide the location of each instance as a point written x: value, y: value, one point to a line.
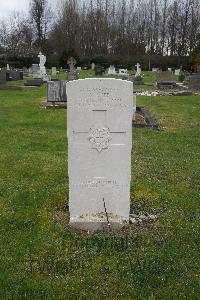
x: 41, y: 258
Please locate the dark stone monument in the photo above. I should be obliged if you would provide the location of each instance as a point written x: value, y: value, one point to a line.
x: 72, y: 74
x: 15, y: 75
x: 99, y: 70
x: 34, y: 82
x: 149, y: 120
x: 10, y: 75
x: 4, y: 75
x: 194, y: 82
x: 63, y: 93
x: 56, y: 94
x: 53, y: 92
x: 164, y: 80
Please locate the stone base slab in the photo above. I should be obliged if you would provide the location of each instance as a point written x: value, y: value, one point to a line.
x: 98, y: 224
x: 57, y: 105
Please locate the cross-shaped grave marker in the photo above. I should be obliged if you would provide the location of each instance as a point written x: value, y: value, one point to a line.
x: 71, y: 62
x: 138, y: 72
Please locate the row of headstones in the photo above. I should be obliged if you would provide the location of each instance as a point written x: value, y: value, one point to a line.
x: 41, y: 71
x: 164, y: 80
x: 113, y: 71
x: 176, y: 71
x: 121, y: 72
x: 56, y: 96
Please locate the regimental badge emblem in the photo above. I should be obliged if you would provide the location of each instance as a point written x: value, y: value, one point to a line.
x: 100, y: 138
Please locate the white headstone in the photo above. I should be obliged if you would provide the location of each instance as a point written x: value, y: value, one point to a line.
x: 123, y: 72
x: 93, y: 66
x: 8, y: 67
x: 177, y: 72
x: 34, y: 70
x: 53, y: 71
x: 155, y: 69
x: 111, y: 70
x: 99, y: 115
x: 138, y: 71
x: 78, y: 68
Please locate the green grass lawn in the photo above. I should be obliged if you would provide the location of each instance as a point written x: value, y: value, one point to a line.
x: 158, y: 262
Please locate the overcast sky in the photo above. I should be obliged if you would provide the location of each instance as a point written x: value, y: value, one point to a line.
x: 7, y: 6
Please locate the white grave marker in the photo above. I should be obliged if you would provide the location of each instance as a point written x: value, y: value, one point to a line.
x: 53, y: 71
x: 123, y: 72
x: 155, y: 69
x: 138, y: 72
x: 111, y: 70
x: 177, y: 72
x: 99, y: 114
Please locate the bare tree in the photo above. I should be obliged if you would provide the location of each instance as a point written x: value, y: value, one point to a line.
x: 41, y: 16
x: 105, y: 27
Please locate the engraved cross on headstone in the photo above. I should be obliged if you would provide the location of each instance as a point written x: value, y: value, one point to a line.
x: 100, y: 136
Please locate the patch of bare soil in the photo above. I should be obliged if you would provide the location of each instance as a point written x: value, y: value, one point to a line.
x: 61, y: 218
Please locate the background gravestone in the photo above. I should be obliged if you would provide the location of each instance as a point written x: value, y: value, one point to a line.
x: 138, y: 70
x: 164, y: 76
x: 99, y: 70
x: 164, y: 80
x: 53, y: 71
x: 63, y: 94
x: 34, y: 70
x: 99, y: 115
x: 194, y: 82
x: 123, y: 72
x: 56, y: 94
x: 11, y: 75
x: 53, y: 91
x: 15, y: 75
x: 4, y: 75
x: 34, y: 82
x: 72, y: 75
x: 111, y: 70
x: 177, y: 72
